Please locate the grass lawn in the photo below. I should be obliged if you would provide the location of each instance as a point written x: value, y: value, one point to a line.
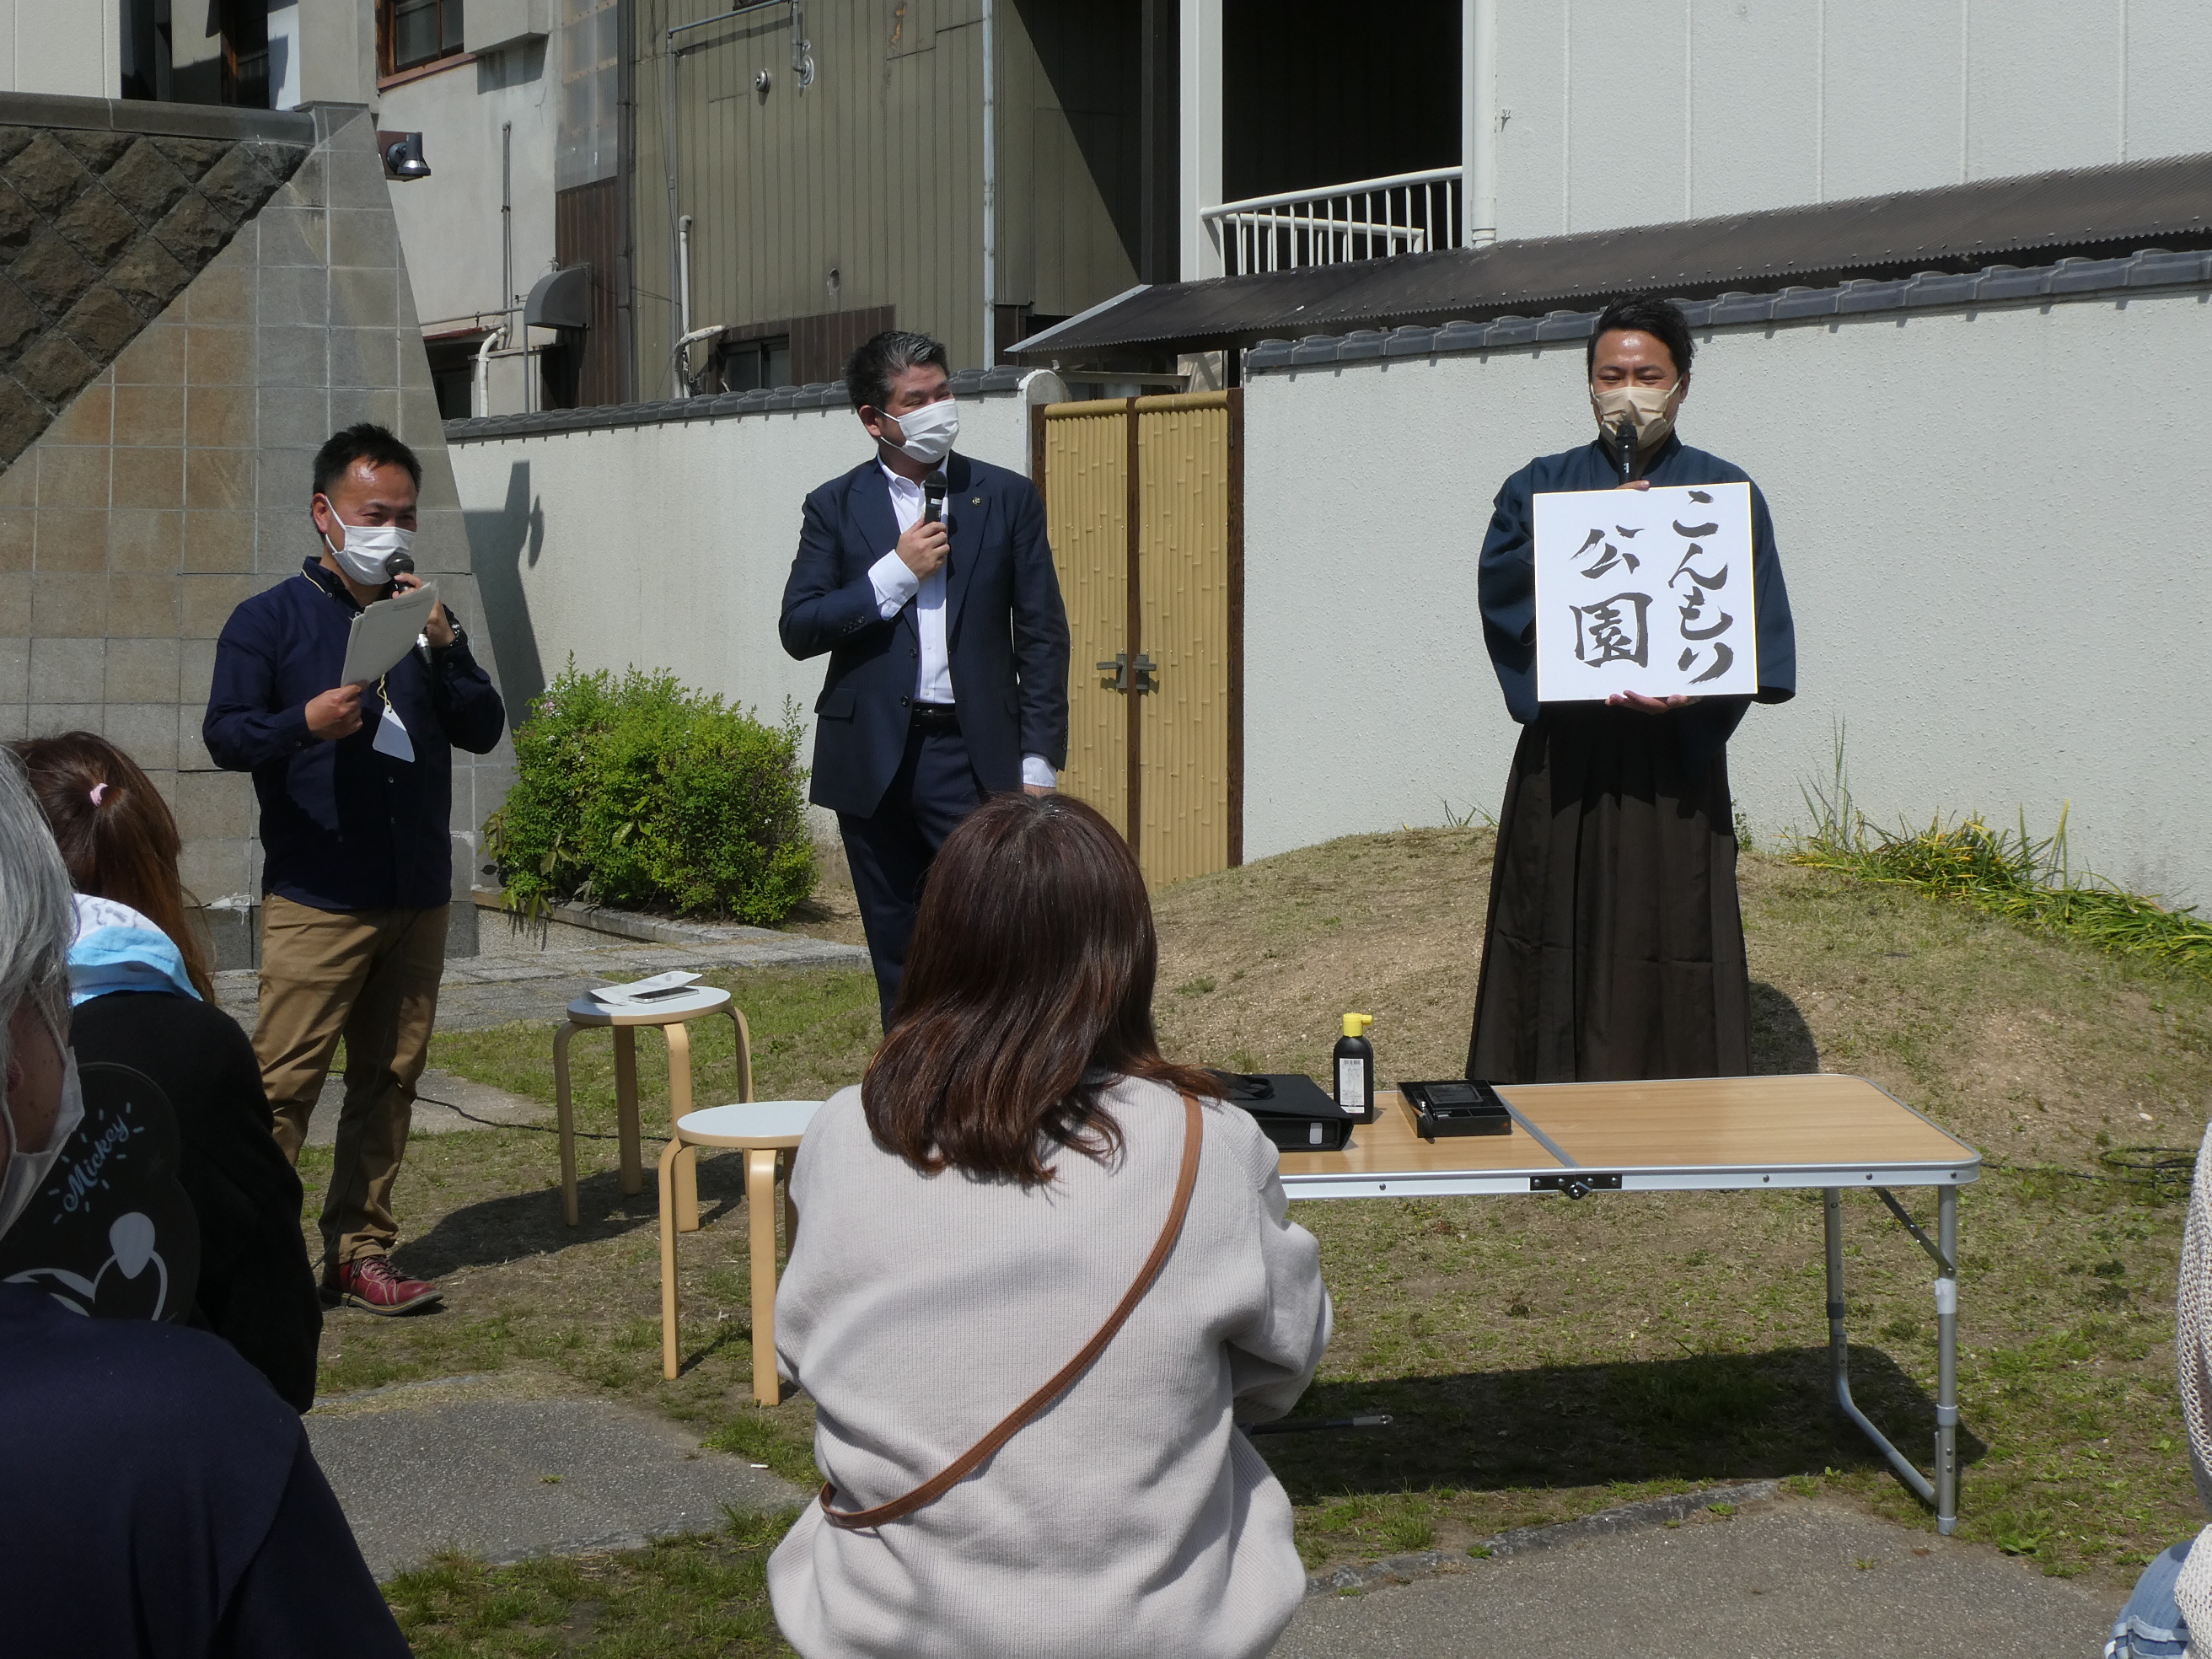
x: 1542, y: 1359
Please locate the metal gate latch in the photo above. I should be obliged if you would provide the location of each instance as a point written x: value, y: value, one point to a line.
x: 1122, y: 669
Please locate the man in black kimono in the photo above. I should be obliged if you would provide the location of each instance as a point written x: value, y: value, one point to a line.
x: 1615, y: 946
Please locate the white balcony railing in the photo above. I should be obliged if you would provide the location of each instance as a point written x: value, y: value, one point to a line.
x: 1338, y: 224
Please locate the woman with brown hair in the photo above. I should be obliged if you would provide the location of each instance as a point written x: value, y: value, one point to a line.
x: 144, y: 999
x: 117, y: 837
x: 968, y: 1217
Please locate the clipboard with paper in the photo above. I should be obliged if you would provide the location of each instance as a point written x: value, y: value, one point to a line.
x: 384, y: 632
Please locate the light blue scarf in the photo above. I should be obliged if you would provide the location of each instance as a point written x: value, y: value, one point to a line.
x: 117, y: 949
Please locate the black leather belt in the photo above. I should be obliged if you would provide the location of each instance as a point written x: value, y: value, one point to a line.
x: 936, y: 717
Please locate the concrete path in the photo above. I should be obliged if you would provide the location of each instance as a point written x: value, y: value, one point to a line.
x: 464, y: 1465
x: 444, y: 1102
x: 478, y: 992
x: 1787, y: 1579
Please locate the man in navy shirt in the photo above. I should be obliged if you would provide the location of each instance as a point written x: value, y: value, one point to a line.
x: 355, y: 788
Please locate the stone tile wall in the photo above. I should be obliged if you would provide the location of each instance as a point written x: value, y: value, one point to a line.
x: 177, y: 482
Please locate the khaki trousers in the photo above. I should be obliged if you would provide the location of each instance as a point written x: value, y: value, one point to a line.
x: 370, y: 976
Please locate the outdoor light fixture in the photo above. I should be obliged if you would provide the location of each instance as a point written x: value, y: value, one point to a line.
x: 402, y: 156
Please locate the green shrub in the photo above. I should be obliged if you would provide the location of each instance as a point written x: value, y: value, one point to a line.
x: 2004, y: 872
x: 638, y: 792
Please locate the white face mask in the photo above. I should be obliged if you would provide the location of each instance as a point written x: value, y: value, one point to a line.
x: 927, y: 433
x: 28, y: 1171
x: 368, y: 547
x: 1646, y: 405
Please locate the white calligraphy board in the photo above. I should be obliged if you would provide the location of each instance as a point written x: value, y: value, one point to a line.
x: 1645, y: 590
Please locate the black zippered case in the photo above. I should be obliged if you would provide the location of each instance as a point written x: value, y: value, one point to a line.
x: 1291, y: 1110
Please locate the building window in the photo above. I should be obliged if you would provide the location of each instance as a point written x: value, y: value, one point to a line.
x: 245, y: 54
x: 749, y: 365
x: 453, y: 373
x: 412, y: 32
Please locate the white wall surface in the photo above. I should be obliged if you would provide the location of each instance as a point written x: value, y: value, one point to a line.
x: 1639, y: 111
x: 72, y: 47
x: 668, y: 546
x: 1988, y: 522
x: 449, y: 224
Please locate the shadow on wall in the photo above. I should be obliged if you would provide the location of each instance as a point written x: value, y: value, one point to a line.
x: 499, y: 542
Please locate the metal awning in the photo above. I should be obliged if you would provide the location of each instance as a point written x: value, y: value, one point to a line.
x: 2105, y: 211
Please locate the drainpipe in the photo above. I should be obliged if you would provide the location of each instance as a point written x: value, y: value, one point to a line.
x: 990, y: 193
x: 683, y: 302
x: 480, y: 398
x: 1478, y: 123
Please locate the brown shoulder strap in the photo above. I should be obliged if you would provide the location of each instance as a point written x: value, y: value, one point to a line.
x: 930, y: 1491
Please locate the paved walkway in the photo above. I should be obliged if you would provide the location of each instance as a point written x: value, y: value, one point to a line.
x: 495, y: 990
x: 1786, y: 1579
x: 463, y: 1464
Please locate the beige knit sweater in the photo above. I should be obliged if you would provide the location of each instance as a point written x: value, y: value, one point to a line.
x: 2192, y: 1347
x: 1130, y: 1518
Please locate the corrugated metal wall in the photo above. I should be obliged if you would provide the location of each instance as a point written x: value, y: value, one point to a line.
x: 866, y: 189
x: 587, y: 231
x: 1069, y: 150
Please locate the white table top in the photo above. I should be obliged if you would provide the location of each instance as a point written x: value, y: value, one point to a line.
x: 756, y: 1122
x: 692, y: 1002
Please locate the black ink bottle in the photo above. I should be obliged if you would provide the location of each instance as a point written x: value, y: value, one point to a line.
x: 1355, y: 1069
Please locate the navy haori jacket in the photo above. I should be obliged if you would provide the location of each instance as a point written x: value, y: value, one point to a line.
x: 1006, y: 632
x: 344, y: 827
x: 1507, y: 583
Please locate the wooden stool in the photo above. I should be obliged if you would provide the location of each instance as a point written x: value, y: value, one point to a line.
x: 669, y: 1014
x: 768, y: 1130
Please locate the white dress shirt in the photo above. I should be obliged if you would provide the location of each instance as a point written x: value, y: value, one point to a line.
x: 895, y: 584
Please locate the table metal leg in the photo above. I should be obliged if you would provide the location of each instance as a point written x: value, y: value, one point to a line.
x: 679, y: 1106
x: 1946, y: 1361
x: 565, y: 1116
x: 760, y: 1206
x: 1831, y: 1215
x: 633, y: 1173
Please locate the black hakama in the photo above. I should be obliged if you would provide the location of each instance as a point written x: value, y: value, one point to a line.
x: 1615, y: 945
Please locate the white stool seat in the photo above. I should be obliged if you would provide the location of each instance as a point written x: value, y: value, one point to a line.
x: 756, y: 1123
x: 692, y: 1000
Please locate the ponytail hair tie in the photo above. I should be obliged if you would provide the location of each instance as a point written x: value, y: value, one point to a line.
x: 98, y: 790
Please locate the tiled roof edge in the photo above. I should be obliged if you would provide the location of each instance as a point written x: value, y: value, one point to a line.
x: 966, y: 383
x: 2071, y: 277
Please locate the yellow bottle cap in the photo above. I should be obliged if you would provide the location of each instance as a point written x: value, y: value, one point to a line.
x: 1356, y: 1024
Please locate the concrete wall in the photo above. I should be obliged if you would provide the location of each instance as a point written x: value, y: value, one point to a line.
x: 451, y: 220
x: 73, y: 47
x: 1637, y: 111
x: 176, y: 482
x: 666, y: 545
x: 1986, y: 520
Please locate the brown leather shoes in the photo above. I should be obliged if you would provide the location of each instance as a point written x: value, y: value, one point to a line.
x: 368, y: 1282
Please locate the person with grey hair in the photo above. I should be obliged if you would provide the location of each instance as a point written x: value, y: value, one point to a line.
x: 160, y: 1498
x: 925, y: 576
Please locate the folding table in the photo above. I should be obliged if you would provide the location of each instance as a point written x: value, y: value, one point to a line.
x: 1698, y: 1134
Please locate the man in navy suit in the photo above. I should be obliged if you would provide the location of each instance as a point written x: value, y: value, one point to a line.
x: 927, y: 577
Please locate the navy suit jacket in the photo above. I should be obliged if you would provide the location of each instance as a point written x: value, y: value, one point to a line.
x: 1006, y: 632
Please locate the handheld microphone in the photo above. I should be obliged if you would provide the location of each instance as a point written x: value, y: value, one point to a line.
x: 398, y: 564
x: 932, y: 497
x: 1624, y: 440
